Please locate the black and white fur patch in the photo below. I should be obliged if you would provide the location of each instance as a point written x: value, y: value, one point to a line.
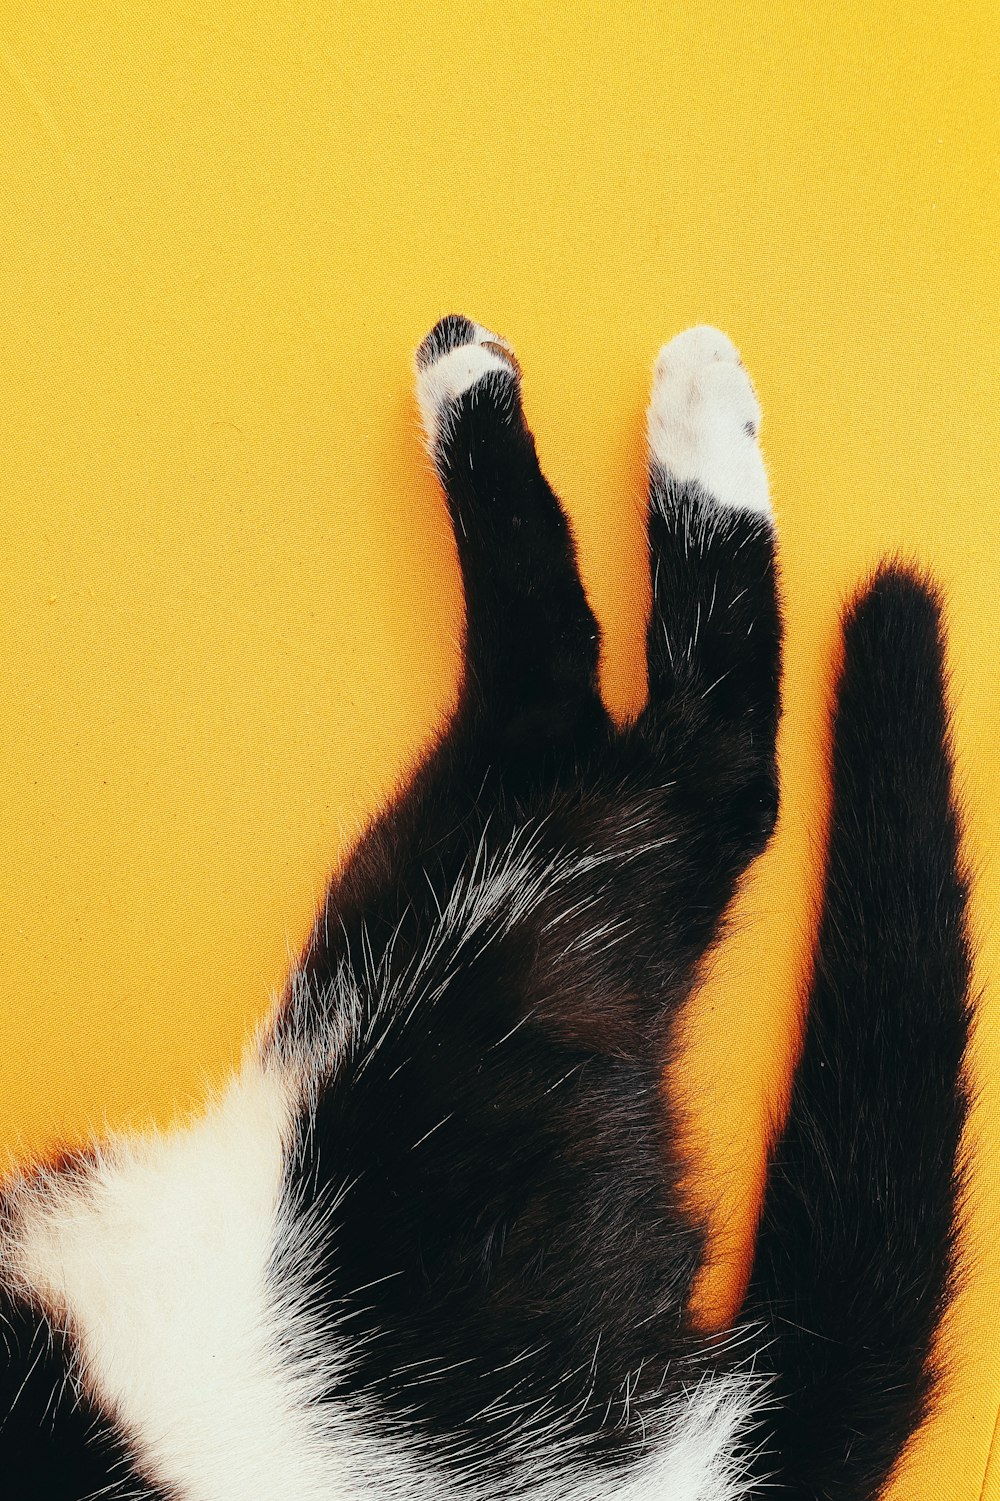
x: 431, y: 1241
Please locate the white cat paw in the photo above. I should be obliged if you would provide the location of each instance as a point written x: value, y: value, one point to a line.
x: 704, y: 418
x: 452, y: 358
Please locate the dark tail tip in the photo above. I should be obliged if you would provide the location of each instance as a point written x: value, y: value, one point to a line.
x: 891, y: 736
x: 900, y: 608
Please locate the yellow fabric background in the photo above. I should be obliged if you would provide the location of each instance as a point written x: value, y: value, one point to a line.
x: 229, y: 594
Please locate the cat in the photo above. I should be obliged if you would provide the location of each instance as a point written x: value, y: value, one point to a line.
x: 431, y: 1242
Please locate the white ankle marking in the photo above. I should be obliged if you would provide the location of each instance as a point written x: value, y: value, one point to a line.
x: 452, y: 374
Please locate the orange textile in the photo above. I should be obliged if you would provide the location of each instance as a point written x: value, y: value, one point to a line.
x: 230, y: 601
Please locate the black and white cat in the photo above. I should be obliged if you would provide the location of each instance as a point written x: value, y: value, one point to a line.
x: 431, y: 1241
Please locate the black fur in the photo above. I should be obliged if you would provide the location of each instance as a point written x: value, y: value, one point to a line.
x: 489, y: 995
x: 857, y: 1248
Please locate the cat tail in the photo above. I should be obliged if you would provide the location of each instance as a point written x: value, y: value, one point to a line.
x: 856, y: 1255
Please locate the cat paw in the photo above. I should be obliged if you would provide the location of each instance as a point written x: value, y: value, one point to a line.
x: 703, y: 420
x: 452, y: 358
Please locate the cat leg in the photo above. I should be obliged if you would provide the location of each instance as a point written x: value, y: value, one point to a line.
x: 714, y: 635
x: 531, y: 641
x: 529, y: 706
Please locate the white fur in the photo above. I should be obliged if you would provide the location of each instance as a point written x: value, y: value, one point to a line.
x: 181, y: 1267
x: 159, y: 1258
x: 450, y: 376
x: 704, y: 418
